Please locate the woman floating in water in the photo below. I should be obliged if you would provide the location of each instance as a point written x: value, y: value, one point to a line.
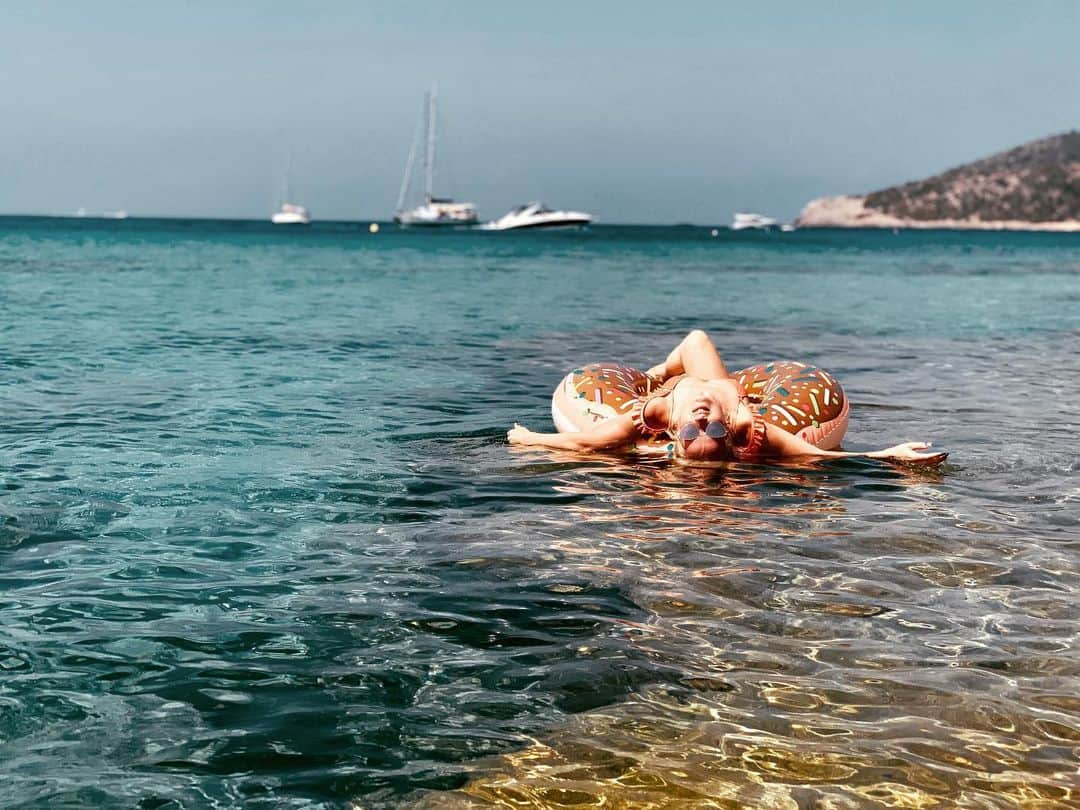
x: 690, y: 407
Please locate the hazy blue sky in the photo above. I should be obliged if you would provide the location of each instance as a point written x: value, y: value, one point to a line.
x: 638, y: 112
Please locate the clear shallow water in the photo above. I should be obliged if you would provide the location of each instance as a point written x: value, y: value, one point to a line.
x: 262, y: 542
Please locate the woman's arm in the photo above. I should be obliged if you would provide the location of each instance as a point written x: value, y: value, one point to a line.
x: 781, y: 443
x: 612, y: 433
x: 696, y: 355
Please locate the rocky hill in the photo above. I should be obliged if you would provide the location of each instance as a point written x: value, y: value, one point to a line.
x: 1031, y: 187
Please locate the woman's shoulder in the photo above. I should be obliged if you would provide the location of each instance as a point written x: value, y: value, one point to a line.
x: 661, y: 388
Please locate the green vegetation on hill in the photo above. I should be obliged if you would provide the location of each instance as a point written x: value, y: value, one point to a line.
x: 1036, y: 182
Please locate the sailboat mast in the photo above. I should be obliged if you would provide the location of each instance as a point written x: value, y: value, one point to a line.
x: 288, y: 176
x: 406, y: 181
x: 429, y: 149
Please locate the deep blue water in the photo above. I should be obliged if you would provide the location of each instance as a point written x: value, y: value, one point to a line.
x: 262, y: 541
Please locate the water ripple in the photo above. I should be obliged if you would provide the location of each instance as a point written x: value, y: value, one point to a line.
x: 262, y: 542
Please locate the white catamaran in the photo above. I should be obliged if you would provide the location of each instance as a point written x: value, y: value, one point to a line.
x: 434, y: 211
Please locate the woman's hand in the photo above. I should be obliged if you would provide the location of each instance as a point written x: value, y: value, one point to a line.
x: 518, y: 434
x: 659, y: 371
x: 911, y: 453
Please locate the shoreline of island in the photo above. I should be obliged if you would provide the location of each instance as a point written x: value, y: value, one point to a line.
x: 851, y: 211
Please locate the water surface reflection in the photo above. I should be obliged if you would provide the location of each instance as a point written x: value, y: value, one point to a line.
x: 805, y: 646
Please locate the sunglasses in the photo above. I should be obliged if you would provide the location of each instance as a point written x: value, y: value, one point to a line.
x: 714, y: 430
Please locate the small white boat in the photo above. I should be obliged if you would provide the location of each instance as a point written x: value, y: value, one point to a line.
x: 433, y: 211
x: 291, y: 215
x: 82, y: 213
x: 535, y: 215
x: 759, y: 221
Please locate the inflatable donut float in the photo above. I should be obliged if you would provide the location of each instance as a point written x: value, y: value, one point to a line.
x: 592, y: 394
x: 804, y: 400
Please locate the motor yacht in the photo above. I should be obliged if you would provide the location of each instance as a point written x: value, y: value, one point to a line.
x: 759, y: 221
x: 536, y: 215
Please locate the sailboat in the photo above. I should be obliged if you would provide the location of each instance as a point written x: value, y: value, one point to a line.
x: 434, y: 211
x: 290, y: 213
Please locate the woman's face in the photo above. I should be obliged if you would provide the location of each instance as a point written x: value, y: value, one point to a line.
x: 704, y: 418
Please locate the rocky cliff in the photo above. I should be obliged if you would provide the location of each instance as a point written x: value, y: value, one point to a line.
x: 1032, y: 187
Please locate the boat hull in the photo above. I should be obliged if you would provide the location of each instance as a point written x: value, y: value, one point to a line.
x: 290, y: 219
x: 411, y: 222
x: 566, y: 224
x: 535, y: 217
x: 438, y: 215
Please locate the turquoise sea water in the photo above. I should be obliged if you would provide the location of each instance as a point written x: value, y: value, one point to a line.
x: 262, y: 542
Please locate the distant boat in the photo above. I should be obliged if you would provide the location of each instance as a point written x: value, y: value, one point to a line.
x: 82, y: 213
x: 535, y: 215
x: 787, y: 227
x: 434, y: 211
x: 290, y: 213
x: 759, y: 221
